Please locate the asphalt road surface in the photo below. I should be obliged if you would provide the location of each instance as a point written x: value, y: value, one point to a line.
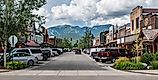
x: 69, y: 66
x: 78, y: 78
x: 71, y: 61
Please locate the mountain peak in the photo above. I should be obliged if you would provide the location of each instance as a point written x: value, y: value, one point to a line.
x: 76, y: 32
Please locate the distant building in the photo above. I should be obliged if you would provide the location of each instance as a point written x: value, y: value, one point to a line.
x: 35, y: 34
x: 54, y: 41
x: 96, y: 42
x: 111, y: 37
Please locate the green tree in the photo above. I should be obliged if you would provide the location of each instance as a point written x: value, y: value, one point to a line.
x: 86, y: 40
x: 76, y: 44
x: 138, y: 46
x: 66, y: 43
x: 16, y: 16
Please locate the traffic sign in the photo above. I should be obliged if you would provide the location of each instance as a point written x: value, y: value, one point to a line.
x: 13, y: 40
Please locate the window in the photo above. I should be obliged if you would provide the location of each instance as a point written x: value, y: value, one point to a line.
x: 107, y: 49
x: 23, y: 50
x: 132, y: 25
x: 137, y: 22
x: 36, y: 51
x: 54, y: 49
x: 46, y: 51
x: 21, y: 54
x: 15, y: 55
x: 27, y: 54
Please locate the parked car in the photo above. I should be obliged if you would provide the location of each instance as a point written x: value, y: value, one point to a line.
x: 94, y: 51
x: 32, y: 51
x: 111, y: 54
x: 20, y: 56
x: 49, y: 49
x: 2, y: 59
x: 77, y: 51
x: 61, y: 50
x: 86, y: 51
x: 56, y: 51
x: 46, y: 54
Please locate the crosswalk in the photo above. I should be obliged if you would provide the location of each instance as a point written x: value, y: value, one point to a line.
x: 67, y: 73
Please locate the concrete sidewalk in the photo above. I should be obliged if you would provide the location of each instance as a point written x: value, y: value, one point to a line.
x: 3, y: 70
x: 151, y: 72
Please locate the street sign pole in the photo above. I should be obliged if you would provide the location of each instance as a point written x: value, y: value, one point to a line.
x: 12, y: 40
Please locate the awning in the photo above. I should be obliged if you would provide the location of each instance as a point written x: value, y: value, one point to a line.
x: 46, y: 45
x: 31, y: 43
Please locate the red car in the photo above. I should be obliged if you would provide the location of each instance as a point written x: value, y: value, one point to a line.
x: 111, y: 54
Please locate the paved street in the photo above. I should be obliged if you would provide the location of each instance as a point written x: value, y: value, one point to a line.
x: 78, y: 78
x: 70, y: 61
x: 69, y: 66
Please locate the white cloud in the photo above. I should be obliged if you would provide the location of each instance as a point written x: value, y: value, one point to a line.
x: 94, y: 12
x: 78, y: 10
x: 119, y: 21
x: 43, y: 12
x: 98, y: 21
x: 108, y: 6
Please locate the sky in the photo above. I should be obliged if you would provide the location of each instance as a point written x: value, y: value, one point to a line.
x: 90, y: 12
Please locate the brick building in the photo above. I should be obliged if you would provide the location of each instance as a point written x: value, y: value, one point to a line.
x: 138, y: 18
x: 143, y: 24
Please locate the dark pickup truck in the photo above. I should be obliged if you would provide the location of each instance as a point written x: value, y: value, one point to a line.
x: 111, y: 54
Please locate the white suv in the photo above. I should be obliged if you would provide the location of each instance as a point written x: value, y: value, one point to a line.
x: 32, y: 51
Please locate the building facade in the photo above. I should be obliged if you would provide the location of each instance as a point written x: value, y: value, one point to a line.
x: 143, y: 28
x: 111, y: 37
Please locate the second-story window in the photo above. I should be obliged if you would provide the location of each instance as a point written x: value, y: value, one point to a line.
x: 137, y: 22
x: 132, y: 25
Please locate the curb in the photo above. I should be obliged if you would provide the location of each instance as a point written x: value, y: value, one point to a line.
x: 4, y: 71
x: 142, y: 72
x: 134, y: 71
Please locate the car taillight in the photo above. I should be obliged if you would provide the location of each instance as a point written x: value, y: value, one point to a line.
x: 98, y: 54
x: 107, y: 54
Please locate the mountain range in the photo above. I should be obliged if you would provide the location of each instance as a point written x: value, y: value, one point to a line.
x: 75, y: 32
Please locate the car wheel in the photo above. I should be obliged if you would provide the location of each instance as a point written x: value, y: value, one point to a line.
x: 36, y: 59
x: 45, y: 57
x: 30, y: 63
x: 103, y: 61
x: 97, y: 60
x: 113, y: 60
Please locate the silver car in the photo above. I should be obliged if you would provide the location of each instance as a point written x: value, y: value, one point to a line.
x: 24, y: 57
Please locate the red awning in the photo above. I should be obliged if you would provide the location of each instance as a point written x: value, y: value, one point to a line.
x: 31, y: 43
